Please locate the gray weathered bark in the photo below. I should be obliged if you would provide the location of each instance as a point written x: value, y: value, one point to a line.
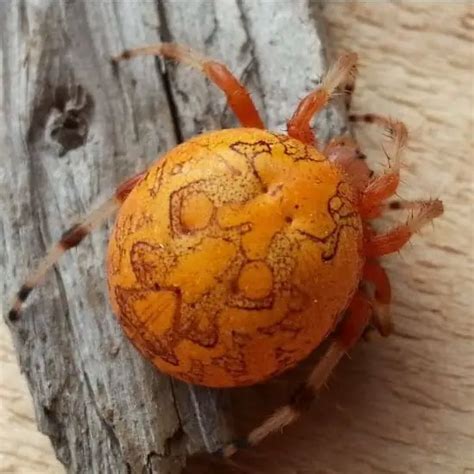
x: 70, y: 130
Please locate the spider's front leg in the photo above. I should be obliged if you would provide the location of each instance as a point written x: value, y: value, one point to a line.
x: 349, y: 332
x: 71, y: 238
x: 337, y: 75
x: 237, y: 95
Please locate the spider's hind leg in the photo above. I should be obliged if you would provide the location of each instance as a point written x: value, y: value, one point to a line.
x: 71, y: 238
x: 351, y: 329
x: 375, y: 274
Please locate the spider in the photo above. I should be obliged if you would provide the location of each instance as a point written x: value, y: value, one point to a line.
x: 234, y: 256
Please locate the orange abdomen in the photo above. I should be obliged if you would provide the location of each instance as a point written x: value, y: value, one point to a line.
x: 233, y: 258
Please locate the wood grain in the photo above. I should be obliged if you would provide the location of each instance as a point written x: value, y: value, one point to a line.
x: 105, y: 408
x: 401, y: 405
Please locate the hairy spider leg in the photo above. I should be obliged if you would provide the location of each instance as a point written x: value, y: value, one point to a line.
x: 299, y: 124
x: 360, y: 311
x: 377, y: 245
x: 375, y: 274
x: 348, y: 88
x: 403, y: 205
x: 71, y: 238
x: 384, y: 186
x: 345, y: 151
x: 349, y: 332
x: 237, y: 95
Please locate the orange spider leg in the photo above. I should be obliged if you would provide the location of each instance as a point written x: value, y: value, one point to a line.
x: 375, y: 274
x: 345, y: 152
x: 377, y: 245
x: 384, y: 186
x: 343, y: 142
x: 348, y: 89
x: 71, y: 238
x: 349, y: 332
x: 299, y: 124
x: 237, y: 95
x: 401, y: 205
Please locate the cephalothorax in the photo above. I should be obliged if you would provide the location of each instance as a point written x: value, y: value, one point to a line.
x: 238, y: 252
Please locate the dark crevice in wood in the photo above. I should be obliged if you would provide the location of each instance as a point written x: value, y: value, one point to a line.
x: 111, y: 435
x: 255, y: 63
x: 165, y: 36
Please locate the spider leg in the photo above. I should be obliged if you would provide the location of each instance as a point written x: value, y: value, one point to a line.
x: 402, y: 205
x: 71, y: 238
x: 375, y: 274
x: 377, y: 245
x: 338, y: 73
x: 345, y: 151
x: 348, y: 88
x: 351, y: 329
x: 237, y: 95
x: 382, y: 187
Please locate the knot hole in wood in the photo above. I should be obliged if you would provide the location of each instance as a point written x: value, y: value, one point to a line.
x: 70, y: 115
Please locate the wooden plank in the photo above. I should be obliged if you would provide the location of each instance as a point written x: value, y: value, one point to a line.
x: 105, y: 408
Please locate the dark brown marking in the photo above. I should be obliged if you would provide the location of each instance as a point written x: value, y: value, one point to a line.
x: 13, y: 315
x: 124, y: 189
x: 342, y: 216
x: 73, y: 236
x: 275, y: 190
x: 238, y: 300
x: 157, y: 182
x: 292, y: 151
x: 150, y: 263
x: 368, y: 118
x: 137, y: 330
x: 125, y: 54
x: 24, y: 291
x: 250, y: 151
x: 233, y: 362
x: 242, y: 443
x: 285, y: 359
x: 303, y: 398
x: 395, y: 205
x: 176, y: 204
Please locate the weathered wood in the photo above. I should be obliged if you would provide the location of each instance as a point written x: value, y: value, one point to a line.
x: 72, y: 128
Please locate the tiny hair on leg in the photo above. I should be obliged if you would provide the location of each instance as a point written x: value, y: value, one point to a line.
x: 393, y: 240
x: 299, y: 124
x: 382, y: 187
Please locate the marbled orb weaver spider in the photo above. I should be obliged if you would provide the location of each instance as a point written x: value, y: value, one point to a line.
x: 235, y: 255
